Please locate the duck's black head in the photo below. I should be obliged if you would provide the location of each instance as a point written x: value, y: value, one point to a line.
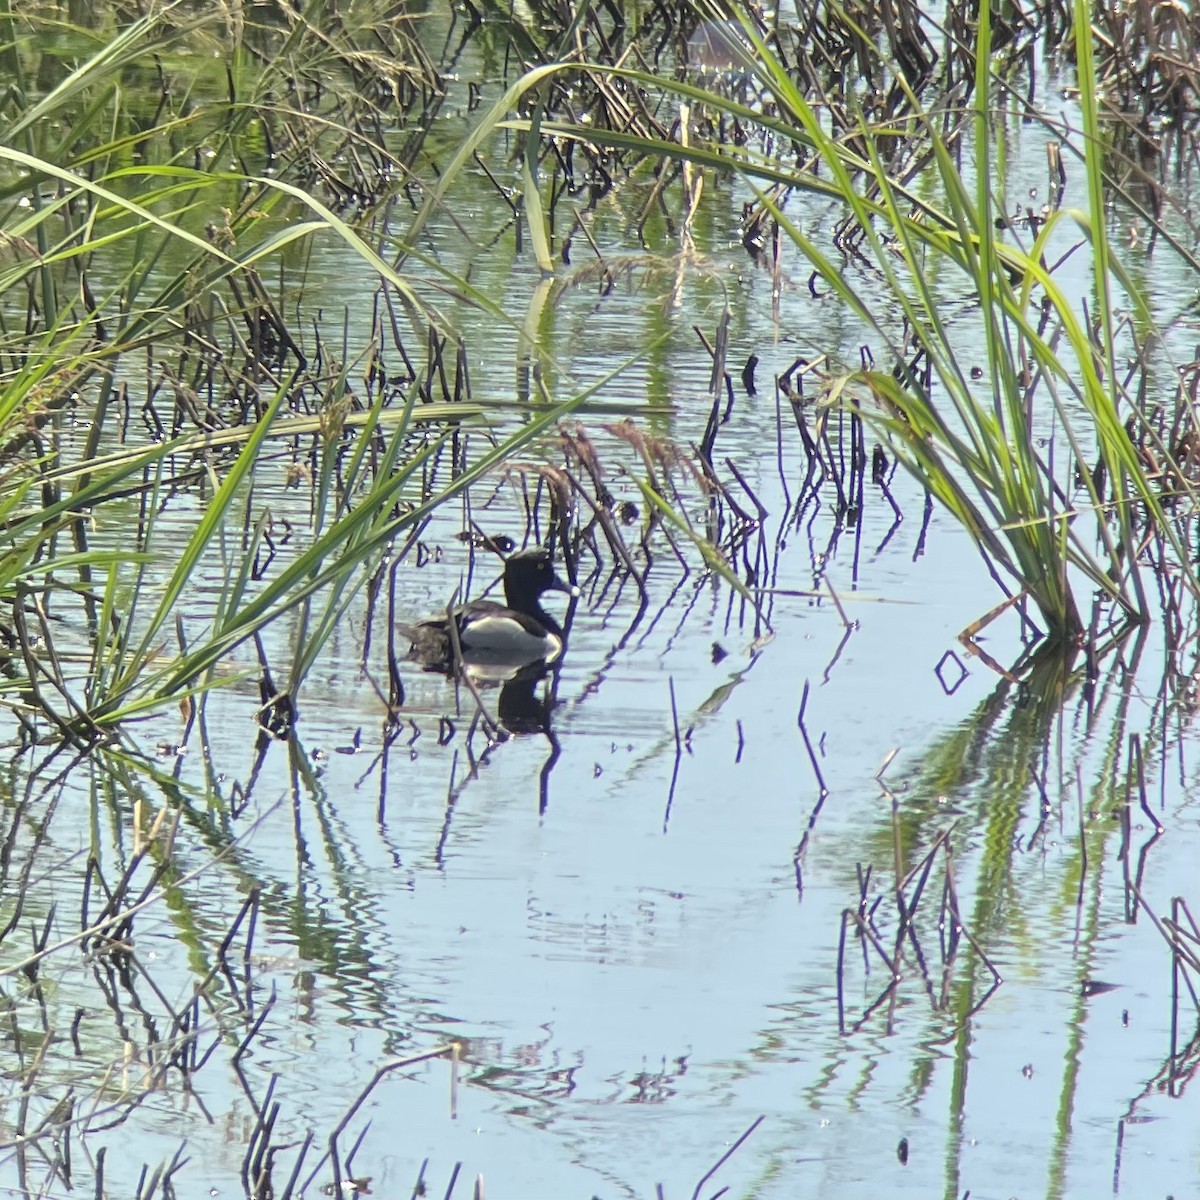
x: 529, y: 573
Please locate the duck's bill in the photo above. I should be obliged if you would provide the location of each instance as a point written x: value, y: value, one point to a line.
x: 560, y: 585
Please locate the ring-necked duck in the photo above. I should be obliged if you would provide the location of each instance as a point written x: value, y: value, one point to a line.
x: 511, y: 634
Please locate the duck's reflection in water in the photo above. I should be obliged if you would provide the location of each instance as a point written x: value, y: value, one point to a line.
x: 519, y: 701
x: 525, y: 705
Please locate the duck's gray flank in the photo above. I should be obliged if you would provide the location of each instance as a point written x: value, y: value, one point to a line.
x: 519, y: 631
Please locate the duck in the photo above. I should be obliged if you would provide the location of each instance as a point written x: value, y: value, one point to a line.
x: 503, y: 636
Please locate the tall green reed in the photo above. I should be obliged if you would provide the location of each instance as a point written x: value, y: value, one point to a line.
x: 1000, y: 448
x: 140, y: 263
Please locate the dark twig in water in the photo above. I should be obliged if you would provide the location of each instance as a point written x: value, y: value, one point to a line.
x: 491, y: 728
x: 678, y: 753
x: 1135, y: 763
x: 961, y: 926
x: 863, y: 926
x: 290, y: 1186
x: 1044, y: 807
x: 453, y: 1180
x: 248, y: 1040
x: 1083, y: 850
x: 717, y: 384
x: 675, y: 716
x: 260, y: 1140
x: 726, y: 1156
x: 380, y: 1074
x: 812, y: 754
x: 761, y: 508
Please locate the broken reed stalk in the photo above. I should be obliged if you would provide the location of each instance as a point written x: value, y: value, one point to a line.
x: 1083, y: 850
x: 812, y: 754
x: 675, y: 717
x: 1136, y: 774
x: 678, y: 754
x: 613, y: 536
x: 737, y: 1145
x: 863, y: 927
x: 381, y: 1073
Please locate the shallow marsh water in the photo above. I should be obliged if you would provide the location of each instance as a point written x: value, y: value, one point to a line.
x: 638, y: 951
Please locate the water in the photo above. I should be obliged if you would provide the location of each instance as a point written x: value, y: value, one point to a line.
x: 635, y: 941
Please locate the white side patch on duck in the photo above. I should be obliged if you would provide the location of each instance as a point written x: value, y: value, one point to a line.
x: 501, y: 637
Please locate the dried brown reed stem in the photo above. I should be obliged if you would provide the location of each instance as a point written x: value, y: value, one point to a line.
x: 581, y: 447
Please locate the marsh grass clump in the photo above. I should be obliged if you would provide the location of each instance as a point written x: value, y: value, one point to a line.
x: 1040, y: 452
x: 191, y: 369
x: 155, y: 352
